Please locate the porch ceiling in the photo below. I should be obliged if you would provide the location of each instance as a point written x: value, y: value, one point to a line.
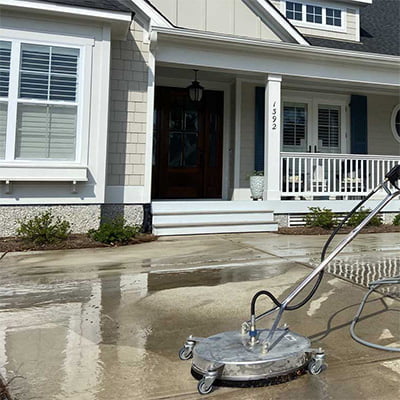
x: 185, y: 74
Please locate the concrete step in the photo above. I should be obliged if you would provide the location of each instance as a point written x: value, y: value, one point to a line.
x: 202, y: 217
x: 198, y: 230
x: 242, y: 218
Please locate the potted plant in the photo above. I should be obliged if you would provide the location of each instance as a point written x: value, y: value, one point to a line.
x: 257, y: 184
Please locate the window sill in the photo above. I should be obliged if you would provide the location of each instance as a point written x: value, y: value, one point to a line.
x: 28, y: 172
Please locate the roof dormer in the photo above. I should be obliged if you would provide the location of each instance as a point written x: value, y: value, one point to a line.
x: 333, y: 19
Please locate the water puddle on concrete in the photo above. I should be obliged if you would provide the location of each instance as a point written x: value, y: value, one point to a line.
x: 80, y: 338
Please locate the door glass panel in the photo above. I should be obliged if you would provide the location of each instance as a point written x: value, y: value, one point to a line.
x: 191, y: 120
x: 212, y: 141
x: 329, y: 129
x: 190, y: 149
x: 294, y: 127
x: 175, y: 150
x: 176, y: 119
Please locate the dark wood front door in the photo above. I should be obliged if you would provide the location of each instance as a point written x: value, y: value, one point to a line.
x: 187, y: 157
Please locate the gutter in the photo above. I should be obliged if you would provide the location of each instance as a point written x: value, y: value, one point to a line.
x: 70, y: 10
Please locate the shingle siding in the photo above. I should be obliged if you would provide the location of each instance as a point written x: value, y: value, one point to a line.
x: 128, y: 110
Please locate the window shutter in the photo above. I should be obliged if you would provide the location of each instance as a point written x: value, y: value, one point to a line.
x: 359, y: 124
x: 5, y: 57
x: 46, y: 131
x: 259, y: 129
x: 48, y: 73
x: 3, y: 128
x: 329, y: 128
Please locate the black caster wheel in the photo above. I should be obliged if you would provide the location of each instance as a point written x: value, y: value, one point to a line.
x: 185, y: 354
x: 315, y: 368
x: 203, y: 388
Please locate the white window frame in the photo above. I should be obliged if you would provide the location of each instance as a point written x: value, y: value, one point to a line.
x: 29, y: 169
x: 313, y: 100
x: 396, y: 134
x: 316, y: 25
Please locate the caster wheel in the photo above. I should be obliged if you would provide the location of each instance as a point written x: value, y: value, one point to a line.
x: 185, y: 354
x: 203, y: 388
x: 314, y: 368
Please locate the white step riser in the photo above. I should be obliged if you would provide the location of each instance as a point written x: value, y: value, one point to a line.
x: 208, y: 206
x: 196, y: 230
x: 211, y: 219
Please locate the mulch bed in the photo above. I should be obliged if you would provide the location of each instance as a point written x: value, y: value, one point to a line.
x: 75, y: 241
x: 308, y: 230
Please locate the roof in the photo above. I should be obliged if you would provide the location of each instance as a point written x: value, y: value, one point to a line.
x: 111, y: 5
x: 380, y: 30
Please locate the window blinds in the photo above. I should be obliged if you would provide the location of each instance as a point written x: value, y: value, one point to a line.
x: 48, y: 73
x: 329, y: 127
x: 5, y: 57
x: 46, y: 132
x: 3, y: 128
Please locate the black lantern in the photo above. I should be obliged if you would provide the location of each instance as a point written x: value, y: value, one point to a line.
x: 195, y: 89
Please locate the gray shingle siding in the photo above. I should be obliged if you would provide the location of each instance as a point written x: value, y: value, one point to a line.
x: 380, y: 30
x: 111, y: 5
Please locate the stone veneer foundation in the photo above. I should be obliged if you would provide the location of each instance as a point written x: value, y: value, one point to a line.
x: 81, y: 217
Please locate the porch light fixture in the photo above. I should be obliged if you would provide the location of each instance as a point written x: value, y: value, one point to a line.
x: 195, y: 89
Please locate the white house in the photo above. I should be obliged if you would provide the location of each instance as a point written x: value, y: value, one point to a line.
x: 96, y: 117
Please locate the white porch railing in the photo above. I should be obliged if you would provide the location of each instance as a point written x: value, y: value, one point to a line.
x: 332, y: 175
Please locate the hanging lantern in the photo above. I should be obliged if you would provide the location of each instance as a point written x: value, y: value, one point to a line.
x: 195, y: 89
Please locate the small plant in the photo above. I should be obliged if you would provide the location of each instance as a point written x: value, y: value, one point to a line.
x: 114, y: 231
x: 320, y: 217
x: 255, y: 173
x: 359, y: 216
x: 44, y: 229
x: 396, y: 220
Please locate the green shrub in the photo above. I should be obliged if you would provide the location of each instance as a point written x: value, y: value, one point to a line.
x: 44, y: 229
x: 396, y: 220
x: 321, y: 217
x: 114, y: 231
x: 359, y: 216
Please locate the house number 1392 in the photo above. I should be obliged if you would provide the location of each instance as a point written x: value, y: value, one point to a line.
x: 274, y: 117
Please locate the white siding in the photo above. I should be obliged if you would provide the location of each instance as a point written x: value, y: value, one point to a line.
x: 230, y: 17
x: 380, y: 137
x: 247, y: 133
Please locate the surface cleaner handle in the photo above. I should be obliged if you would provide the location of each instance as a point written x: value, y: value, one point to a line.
x: 393, y: 175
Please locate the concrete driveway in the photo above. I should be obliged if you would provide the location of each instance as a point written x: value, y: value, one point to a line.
x: 106, y: 324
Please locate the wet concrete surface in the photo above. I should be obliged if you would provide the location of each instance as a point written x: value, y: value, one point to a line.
x: 105, y: 324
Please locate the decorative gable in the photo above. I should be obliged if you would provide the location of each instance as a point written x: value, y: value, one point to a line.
x: 256, y: 19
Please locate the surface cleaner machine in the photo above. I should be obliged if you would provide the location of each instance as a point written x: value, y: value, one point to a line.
x: 258, y: 357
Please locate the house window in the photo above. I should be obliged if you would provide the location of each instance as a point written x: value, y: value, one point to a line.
x: 44, y: 96
x: 329, y: 129
x: 333, y: 17
x: 395, y: 122
x: 5, y: 57
x: 294, y: 10
x: 294, y: 127
x: 314, y: 14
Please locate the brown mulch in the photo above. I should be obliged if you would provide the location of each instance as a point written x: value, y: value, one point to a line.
x: 308, y: 230
x: 75, y: 241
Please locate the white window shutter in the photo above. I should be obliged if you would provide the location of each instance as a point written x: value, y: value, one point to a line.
x: 46, y: 132
x: 329, y: 128
x: 3, y: 128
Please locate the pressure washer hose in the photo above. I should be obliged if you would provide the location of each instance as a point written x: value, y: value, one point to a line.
x: 392, y: 176
x: 320, y: 275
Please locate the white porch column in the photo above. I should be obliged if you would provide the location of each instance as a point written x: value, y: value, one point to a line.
x: 272, y: 133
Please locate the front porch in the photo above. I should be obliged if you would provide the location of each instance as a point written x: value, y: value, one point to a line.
x: 320, y: 142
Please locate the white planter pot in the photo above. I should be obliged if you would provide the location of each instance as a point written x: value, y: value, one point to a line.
x: 256, y: 187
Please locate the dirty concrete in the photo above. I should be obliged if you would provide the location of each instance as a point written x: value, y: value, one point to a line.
x: 105, y: 324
